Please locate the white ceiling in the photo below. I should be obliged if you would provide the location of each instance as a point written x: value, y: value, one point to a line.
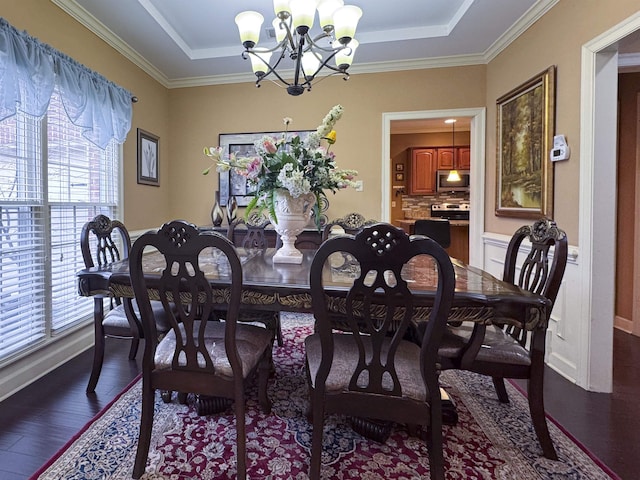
x: 196, y: 42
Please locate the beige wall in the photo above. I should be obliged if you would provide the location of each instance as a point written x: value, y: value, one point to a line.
x: 556, y: 39
x: 144, y: 205
x: 189, y: 118
x: 198, y: 115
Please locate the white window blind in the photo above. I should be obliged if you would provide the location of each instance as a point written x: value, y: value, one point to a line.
x: 41, y: 216
x: 22, y: 234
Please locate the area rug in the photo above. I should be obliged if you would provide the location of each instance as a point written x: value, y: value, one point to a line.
x: 490, y: 441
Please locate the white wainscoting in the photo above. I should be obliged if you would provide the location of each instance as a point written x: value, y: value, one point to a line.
x: 563, y: 340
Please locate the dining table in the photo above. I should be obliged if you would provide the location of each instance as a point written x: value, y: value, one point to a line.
x: 479, y: 296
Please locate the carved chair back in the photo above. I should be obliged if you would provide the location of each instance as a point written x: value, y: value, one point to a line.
x: 370, y: 369
x: 351, y: 223
x: 249, y: 233
x: 537, y: 272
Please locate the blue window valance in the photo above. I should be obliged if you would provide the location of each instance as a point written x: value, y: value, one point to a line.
x: 29, y: 71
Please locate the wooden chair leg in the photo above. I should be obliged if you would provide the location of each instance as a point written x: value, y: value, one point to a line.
x: 241, y: 437
x: 535, y: 394
x: 146, y: 424
x: 98, y: 355
x: 501, y: 391
x: 315, y: 464
x: 279, y: 331
x: 264, y: 372
x: 436, y: 454
x: 133, y: 351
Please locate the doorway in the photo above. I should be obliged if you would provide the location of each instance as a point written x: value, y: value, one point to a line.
x: 476, y: 197
x: 598, y: 141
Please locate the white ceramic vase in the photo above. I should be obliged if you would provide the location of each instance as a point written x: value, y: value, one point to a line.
x: 292, y: 216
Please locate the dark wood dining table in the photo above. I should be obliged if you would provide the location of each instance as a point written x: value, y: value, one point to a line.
x: 479, y: 296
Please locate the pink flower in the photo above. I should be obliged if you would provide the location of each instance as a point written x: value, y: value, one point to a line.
x: 269, y: 146
x: 254, y: 167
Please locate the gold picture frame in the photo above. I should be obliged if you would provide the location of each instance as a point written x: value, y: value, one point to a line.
x: 525, y: 127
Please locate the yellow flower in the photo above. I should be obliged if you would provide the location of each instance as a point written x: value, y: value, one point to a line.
x: 331, y: 137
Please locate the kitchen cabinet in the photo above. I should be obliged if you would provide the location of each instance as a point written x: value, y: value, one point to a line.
x: 422, y: 175
x: 459, y: 247
x: 458, y: 158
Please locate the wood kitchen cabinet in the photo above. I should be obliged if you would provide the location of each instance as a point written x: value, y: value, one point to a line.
x: 458, y: 158
x: 422, y: 175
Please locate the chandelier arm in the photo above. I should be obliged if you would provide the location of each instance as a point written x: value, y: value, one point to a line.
x: 286, y: 21
x: 313, y: 42
x: 270, y: 70
x: 298, y: 66
x: 325, y: 64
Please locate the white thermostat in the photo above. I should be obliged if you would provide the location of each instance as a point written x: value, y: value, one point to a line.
x: 560, y: 150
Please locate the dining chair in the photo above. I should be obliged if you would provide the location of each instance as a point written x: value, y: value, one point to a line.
x: 197, y: 355
x: 251, y: 234
x: 509, y: 347
x: 102, y: 242
x: 439, y: 229
x: 351, y: 224
x: 371, y: 370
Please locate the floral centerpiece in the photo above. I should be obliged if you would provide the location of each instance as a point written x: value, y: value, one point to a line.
x: 299, y: 166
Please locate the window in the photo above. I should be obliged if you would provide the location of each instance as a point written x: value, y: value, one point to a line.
x: 52, y: 180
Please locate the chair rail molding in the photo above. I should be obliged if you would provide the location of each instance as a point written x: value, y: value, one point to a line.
x: 563, y: 339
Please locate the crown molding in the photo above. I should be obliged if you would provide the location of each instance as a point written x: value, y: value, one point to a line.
x: 376, y: 67
x: 72, y: 8
x: 529, y: 18
x: 94, y: 25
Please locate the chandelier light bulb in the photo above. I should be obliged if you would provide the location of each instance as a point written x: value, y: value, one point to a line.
x: 249, y: 24
x: 345, y: 22
x: 281, y: 8
x: 310, y: 64
x: 326, y: 9
x: 344, y: 58
x: 279, y: 28
x: 303, y: 13
x: 260, y: 61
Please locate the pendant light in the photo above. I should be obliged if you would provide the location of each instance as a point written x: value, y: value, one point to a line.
x: 454, y: 176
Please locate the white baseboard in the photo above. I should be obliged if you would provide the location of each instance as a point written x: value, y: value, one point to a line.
x: 46, y: 358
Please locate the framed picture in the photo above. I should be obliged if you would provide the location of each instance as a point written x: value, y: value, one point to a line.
x: 148, y: 158
x: 526, y: 123
x: 241, y: 144
x: 399, y: 167
x: 399, y: 177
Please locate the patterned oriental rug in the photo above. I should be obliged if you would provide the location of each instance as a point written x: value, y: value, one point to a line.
x: 490, y: 441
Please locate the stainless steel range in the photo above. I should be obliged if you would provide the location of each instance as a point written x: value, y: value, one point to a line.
x: 451, y: 211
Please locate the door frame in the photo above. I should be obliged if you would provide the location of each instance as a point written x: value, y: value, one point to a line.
x: 597, y: 210
x: 476, y: 194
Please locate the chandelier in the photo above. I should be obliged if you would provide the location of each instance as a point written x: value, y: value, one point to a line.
x: 293, y: 23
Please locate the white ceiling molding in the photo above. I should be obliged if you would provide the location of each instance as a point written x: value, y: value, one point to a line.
x: 72, y: 8
x: 97, y: 27
x: 518, y: 28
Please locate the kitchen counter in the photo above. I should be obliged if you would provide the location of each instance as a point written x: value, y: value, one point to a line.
x: 407, y: 223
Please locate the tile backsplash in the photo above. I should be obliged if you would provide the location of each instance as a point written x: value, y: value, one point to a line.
x: 419, y: 206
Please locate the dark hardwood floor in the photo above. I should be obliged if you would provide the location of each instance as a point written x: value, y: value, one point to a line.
x: 42, y: 417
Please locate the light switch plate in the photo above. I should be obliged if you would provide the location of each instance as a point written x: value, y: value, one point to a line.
x: 359, y: 186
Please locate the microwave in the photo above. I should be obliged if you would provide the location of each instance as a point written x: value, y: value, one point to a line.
x: 462, y: 185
